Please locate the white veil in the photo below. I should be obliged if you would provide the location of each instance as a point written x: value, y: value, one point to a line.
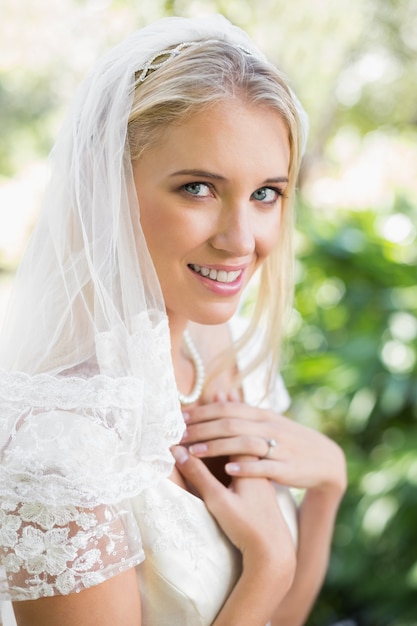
x: 88, y: 401
x: 87, y: 315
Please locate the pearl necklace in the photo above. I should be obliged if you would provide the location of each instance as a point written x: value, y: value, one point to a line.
x: 199, y: 372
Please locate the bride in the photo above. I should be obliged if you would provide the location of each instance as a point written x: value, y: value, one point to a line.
x: 145, y: 458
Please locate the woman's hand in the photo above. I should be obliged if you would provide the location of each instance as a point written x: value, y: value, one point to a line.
x: 248, y: 513
x: 301, y: 458
x: 247, y: 510
x: 282, y: 450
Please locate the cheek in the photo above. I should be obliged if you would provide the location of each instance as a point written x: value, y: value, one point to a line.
x: 168, y: 238
x: 154, y: 222
x: 268, y: 237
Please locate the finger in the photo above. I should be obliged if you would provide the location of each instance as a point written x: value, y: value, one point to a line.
x: 226, y: 427
x: 231, y: 446
x: 217, y: 429
x: 198, y: 475
x: 212, y: 491
x: 234, y: 396
x: 263, y: 468
x: 220, y: 410
x: 220, y: 397
x: 281, y: 472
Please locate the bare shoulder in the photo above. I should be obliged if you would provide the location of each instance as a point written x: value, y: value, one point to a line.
x: 115, y: 601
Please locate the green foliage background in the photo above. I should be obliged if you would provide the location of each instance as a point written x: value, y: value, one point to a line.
x: 355, y: 297
x: 351, y: 352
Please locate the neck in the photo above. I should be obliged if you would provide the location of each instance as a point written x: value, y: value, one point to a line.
x: 184, y: 368
x: 176, y: 331
x: 188, y: 366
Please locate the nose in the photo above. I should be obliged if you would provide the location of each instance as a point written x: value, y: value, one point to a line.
x: 234, y: 230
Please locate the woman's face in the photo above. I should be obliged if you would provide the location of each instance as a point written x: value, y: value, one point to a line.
x: 210, y: 198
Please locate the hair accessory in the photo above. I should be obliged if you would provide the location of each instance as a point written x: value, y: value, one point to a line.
x: 164, y: 55
x: 167, y: 55
x: 199, y: 372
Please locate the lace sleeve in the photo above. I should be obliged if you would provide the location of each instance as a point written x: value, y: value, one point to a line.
x: 73, y: 453
x: 62, y: 527
x: 57, y: 550
x: 75, y: 448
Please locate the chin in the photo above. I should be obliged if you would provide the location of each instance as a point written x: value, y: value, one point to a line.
x: 212, y: 316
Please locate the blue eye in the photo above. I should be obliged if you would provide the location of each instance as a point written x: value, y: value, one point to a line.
x: 267, y: 194
x: 201, y: 190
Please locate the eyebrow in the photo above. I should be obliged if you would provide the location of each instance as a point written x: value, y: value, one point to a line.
x: 198, y: 173
x: 205, y: 174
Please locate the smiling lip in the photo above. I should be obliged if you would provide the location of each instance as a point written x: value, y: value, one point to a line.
x: 220, y: 280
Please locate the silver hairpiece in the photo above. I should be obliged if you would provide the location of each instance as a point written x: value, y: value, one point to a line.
x: 165, y: 55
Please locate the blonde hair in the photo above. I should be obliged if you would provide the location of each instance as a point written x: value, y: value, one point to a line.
x: 201, y: 76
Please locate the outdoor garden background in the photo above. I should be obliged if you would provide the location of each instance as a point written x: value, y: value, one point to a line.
x: 350, y: 358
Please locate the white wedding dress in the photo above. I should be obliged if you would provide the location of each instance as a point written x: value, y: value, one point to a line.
x: 190, y: 566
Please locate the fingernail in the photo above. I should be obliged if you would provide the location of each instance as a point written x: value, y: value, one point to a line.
x: 180, y: 454
x: 232, y: 468
x: 221, y: 396
x: 234, y: 396
x: 186, y: 416
x: 185, y: 435
x: 198, y: 448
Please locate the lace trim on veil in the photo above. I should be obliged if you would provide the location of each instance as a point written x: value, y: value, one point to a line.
x: 74, y: 450
x: 89, y: 441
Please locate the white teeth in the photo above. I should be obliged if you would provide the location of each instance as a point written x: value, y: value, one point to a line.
x: 221, y: 276
x: 232, y: 276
